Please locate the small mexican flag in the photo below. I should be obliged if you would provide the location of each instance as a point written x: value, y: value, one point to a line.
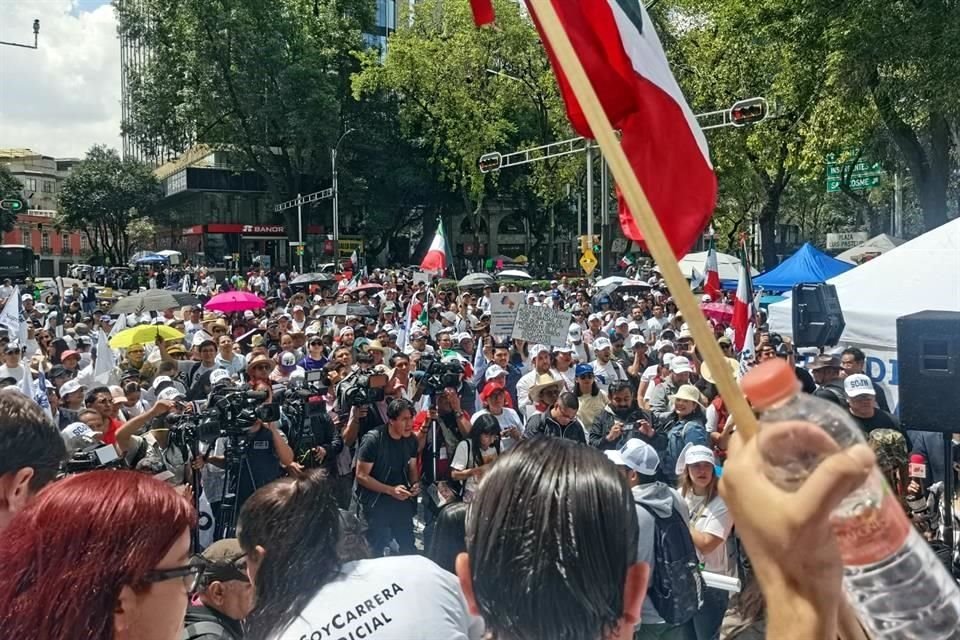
x: 627, y: 261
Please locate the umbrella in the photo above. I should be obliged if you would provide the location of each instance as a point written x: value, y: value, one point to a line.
x: 611, y: 280
x: 166, y: 253
x: 151, y: 259
x: 154, y: 300
x: 144, y: 334
x: 514, y: 273
x: 233, y: 301
x: 370, y: 288
x: 476, y: 280
x: 312, y: 278
x: 350, y: 309
x: 718, y: 311
x: 632, y: 285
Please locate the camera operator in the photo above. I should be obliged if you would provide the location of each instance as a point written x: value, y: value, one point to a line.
x: 224, y: 595
x: 388, y: 481
x: 621, y: 420
x: 31, y: 450
x: 154, y: 451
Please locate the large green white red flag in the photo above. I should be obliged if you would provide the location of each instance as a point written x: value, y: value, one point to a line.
x: 622, y: 55
x: 436, y: 258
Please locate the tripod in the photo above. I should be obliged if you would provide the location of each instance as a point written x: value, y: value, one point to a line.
x: 235, y: 461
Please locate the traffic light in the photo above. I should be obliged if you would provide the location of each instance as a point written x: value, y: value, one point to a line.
x: 490, y: 162
x: 590, y: 243
x: 595, y: 242
x: 13, y: 205
x: 750, y: 111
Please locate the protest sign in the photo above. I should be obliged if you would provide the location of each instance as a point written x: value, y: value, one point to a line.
x: 503, y: 312
x: 541, y: 325
x: 420, y: 276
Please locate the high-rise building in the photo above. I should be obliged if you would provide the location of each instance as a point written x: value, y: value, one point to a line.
x: 385, y: 23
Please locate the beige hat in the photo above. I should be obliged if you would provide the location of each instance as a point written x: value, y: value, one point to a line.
x: 548, y: 383
x: 707, y: 375
x: 691, y: 393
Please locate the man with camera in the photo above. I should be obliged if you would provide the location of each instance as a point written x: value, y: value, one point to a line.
x: 154, y: 452
x: 224, y: 597
x: 388, y: 481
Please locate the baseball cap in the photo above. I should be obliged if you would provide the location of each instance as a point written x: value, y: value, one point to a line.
x: 574, y: 331
x: 537, y: 349
x: 582, y: 370
x: 636, y: 341
x: 70, y: 386
x: 493, y: 371
x: 692, y: 454
x: 118, y: 395
x: 219, y: 375
x: 600, y: 344
x: 78, y: 435
x: 223, y: 561
x: 620, y: 321
x: 248, y: 314
x: 858, y: 385
x: 288, y: 359
x: 636, y: 455
x: 489, y: 389
x: 159, y: 380
x: 170, y: 393
x: 65, y: 354
x: 58, y: 370
x: 681, y: 364
x: 594, y: 316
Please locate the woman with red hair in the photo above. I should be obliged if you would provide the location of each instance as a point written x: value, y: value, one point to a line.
x: 103, y: 555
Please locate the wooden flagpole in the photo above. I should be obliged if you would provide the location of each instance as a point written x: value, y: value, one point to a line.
x: 656, y: 241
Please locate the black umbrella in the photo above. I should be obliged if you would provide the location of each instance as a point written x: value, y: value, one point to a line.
x: 153, y: 300
x: 350, y: 309
x: 476, y: 280
x: 312, y: 278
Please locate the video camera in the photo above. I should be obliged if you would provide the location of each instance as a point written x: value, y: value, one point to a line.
x: 436, y: 375
x: 361, y: 388
x: 93, y: 458
x: 230, y: 414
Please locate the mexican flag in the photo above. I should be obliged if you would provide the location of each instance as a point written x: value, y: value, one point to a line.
x: 711, y: 285
x: 743, y: 311
x: 436, y: 258
x: 627, y: 261
x: 622, y: 55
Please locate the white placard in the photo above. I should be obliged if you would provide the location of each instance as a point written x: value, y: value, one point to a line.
x: 542, y: 325
x: 503, y: 312
x: 420, y: 276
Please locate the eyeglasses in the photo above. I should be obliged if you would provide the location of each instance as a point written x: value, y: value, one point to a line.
x: 190, y: 574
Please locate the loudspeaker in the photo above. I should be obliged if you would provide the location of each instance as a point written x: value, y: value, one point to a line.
x: 928, y: 365
x: 817, y: 317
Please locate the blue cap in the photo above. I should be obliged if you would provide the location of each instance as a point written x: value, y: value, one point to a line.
x: 583, y: 369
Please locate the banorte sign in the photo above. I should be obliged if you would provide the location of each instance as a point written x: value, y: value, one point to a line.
x: 262, y: 228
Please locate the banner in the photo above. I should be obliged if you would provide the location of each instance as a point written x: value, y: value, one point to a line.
x: 541, y: 325
x: 503, y: 312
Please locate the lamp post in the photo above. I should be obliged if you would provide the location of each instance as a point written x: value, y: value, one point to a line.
x: 336, y: 201
x: 36, y: 35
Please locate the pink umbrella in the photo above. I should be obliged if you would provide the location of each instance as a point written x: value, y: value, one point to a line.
x: 718, y: 311
x: 233, y: 301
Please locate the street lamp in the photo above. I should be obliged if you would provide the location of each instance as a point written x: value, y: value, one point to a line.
x: 36, y: 35
x: 336, y: 201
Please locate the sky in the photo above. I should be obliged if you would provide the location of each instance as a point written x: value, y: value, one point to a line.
x: 64, y: 97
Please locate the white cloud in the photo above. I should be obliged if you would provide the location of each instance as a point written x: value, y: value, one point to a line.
x: 63, y: 97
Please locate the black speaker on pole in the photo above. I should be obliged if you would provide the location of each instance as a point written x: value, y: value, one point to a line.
x: 817, y: 317
x: 928, y: 364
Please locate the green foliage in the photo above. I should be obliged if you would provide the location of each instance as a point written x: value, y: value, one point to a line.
x: 10, y: 187
x: 103, y: 196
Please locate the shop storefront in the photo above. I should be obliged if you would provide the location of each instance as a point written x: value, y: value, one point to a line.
x: 219, y: 245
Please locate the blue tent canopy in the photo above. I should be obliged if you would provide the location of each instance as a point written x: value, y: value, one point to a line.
x: 808, y: 264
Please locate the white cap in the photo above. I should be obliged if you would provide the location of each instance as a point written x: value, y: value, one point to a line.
x: 575, y: 331
x: 594, y: 316
x: 668, y: 358
x: 288, y: 359
x: 600, y: 344
x: 661, y: 344
x: 248, y: 314
x: 219, y: 375
x: 685, y: 334
x: 563, y: 349
x: 706, y: 298
x: 620, y: 321
x: 493, y: 371
x: 692, y: 454
x: 70, y: 386
x: 160, y: 380
x: 680, y: 364
x: 170, y: 393
x: 537, y: 349
x: 635, y: 340
x: 77, y: 435
x: 856, y: 385
x: 637, y: 455
x: 26, y: 297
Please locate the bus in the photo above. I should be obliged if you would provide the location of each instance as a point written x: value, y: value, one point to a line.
x: 16, y: 262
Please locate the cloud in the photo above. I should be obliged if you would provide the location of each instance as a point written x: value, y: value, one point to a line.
x: 63, y: 97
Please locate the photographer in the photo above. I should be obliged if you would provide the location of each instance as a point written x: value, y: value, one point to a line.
x: 621, y: 420
x: 31, y: 451
x: 154, y: 452
x: 224, y: 595
x: 388, y: 480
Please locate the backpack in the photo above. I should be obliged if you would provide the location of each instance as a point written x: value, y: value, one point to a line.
x: 676, y: 586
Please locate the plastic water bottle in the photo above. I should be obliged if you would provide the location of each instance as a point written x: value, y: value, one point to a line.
x: 894, y: 581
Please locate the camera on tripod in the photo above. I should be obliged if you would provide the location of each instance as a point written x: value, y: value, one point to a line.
x: 233, y: 414
x: 436, y: 375
x: 361, y: 388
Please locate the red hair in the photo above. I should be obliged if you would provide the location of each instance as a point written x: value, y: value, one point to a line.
x: 67, y: 555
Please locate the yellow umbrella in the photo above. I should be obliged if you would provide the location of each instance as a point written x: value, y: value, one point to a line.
x: 144, y: 334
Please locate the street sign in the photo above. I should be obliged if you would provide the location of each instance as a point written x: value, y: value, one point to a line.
x: 857, y: 183
x: 863, y: 175
x: 846, y: 240
x: 295, y: 244
x: 588, y: 261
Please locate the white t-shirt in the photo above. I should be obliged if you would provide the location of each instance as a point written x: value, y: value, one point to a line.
x: 610, y: 373
x: 569, y: 378
x: 393, y: 598
x: 508, y: 418
x: 16, y: 372
x: 715, y: 520
x: 463, y: 459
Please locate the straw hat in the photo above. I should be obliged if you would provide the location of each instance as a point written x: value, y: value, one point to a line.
x: 691, y: 393
x: 707, y: 375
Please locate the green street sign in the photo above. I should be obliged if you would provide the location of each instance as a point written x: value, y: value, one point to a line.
x: 859, y: 169
x: 857, y: 183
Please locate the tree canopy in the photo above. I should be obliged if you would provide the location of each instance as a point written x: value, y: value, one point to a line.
x: 10, y: 187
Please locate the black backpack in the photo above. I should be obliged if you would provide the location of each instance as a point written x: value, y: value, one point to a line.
x: 676, y: 586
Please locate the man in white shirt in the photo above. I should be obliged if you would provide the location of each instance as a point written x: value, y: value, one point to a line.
x: 564, y: 367
x: 605, y: 368
x: 657, y: 322
x: 11, y: 363
x: 540, y: 362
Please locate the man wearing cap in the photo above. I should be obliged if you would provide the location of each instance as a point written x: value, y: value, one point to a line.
x: 224, y: 595
x: 680, y: 370
x: 594, y: 330
x: 862, y: 402
x: 581, y: 350
x: 639, y: 463
x: 153, y: 452
x: 71, y: 401
x: 826, y: 370
x: 854, y: 360
x: 605, y: 368
x: 11, y: 367
x: 540, y: 360
x: 564, y: 368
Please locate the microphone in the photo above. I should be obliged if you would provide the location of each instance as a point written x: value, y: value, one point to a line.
x: 916, y: 502
x: 918, y: 466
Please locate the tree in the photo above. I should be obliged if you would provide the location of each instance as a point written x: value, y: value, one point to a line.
x: 264, y: 78
x: 102, y: 196
x: 10, y: 187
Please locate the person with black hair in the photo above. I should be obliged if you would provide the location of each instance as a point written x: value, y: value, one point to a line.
x: 31, y: 451
x: 475, y: 454
x: 307, y: 585
x: 388, y: 480
x: 558, y: 421
x: 853, y: 361
x: 448, y: 538
x: 622, y: 420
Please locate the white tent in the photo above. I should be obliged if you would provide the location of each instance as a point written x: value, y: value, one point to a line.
x: 875, y: 246
x: 921, y: 274
x: 727, y: 265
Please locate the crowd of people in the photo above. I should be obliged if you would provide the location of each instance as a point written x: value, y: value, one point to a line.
x: 404, y: 428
